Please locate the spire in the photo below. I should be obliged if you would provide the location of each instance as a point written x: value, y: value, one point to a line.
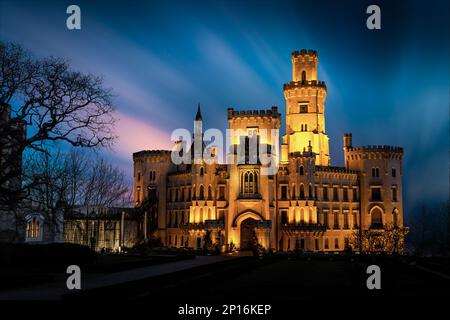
x: 198, y: 116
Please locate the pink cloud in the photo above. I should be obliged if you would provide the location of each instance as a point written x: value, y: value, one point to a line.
x: 136, y: 135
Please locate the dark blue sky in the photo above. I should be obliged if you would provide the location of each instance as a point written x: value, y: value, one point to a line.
x: 389, y: 86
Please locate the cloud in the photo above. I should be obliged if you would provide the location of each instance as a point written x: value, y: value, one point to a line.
x: 136, y: 135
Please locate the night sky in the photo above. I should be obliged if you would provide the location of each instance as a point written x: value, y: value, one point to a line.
x: 388, y: 86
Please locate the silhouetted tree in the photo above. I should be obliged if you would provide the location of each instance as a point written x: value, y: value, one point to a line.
x: 53, y: 103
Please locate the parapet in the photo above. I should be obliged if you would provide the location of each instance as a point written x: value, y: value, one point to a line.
x: 377, y: 148
x: 304, y: 52
x: 272, y: 113
x: 151, y: 154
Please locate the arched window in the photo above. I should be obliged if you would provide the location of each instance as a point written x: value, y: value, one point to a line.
x: 249, y: 182
x: 310, y: 192
x: 376, y: 218
x: 302, y: 192
x: 34, y: 227
x: 303, y: 75
x: 202, y: 171
x: 210, y: 193
x: 293, y: 192
x: 301, y: 170
x: 202, y: 193
x: 395, y: 218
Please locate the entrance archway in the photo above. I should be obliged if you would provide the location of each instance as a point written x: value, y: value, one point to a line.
x: 248, y: 234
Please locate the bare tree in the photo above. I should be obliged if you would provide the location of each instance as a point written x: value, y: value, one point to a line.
x: 71, y: 180
x: 41, y: 101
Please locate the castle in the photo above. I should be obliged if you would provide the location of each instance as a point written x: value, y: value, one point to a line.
x: 306, y: 204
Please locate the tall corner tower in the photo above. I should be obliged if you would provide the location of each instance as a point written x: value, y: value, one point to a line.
x: 305, y: 108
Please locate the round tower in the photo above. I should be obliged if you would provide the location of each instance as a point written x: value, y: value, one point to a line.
x: 305, y: 108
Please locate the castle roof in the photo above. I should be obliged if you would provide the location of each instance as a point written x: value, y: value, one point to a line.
x: 198, y: 116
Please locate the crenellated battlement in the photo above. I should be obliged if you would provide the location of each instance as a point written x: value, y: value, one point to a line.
x: 303, y: 84
x: 144, y: 154
x: 304, y: 52
x: 271, y: 113
x: 376, y: 148
x: 335, y: 169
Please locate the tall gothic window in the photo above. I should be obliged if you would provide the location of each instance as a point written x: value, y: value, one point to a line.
x: 210, y: 193
x: 301, y: 170
x: 249, y: 182
x: 202, y: 193
x: 34, y: 228
x: 302, y: 192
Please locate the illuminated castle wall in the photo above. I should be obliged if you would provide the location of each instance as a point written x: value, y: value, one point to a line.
x: 308, y: 204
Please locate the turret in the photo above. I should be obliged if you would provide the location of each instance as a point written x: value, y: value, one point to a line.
x: 305, y: 109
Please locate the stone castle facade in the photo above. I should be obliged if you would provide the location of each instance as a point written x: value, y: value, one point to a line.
x: 307, y: 204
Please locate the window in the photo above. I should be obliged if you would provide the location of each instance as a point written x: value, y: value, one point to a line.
x: 336, y: 243
x: 376, y: 194
x: 301, y: 171
x: 34, y: 228
x: 202, y: 193
x: 249, y: 182
x: 302, y: 192
x: 293, y: 192
x: 139, y: 176
x: 395, y: 217
x: 355, y: 195
x: 345, y: 194
x: 336, y: 220
x: 326, y: 244
x: 284, y: 217
x: 310, y: 192
x: 345, y: 220
x: 394, y: 194
x: 210, y: 193
x: 376, y: 218
x: 221, y: 193
x: 335, y: 194
x: 316, y: 244
x: 303, y: 108
x: 202, y: 171
x: 375, y: 172
x: 325, y: 194
x: 394, y: 173
x: 316, y: 193
x: 303, y: 75
x: 283, y: 192
x: 252, y: 132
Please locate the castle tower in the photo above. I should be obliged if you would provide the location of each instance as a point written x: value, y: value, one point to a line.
x: 305, y: 109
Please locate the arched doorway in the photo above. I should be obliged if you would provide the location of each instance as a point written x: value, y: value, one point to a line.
x: 248, y: 234
x: 376, y: 218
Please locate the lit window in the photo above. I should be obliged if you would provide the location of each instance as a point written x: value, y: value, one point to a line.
x: 394, y: 194
x: 34, y: 227
x: 303, y: 108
